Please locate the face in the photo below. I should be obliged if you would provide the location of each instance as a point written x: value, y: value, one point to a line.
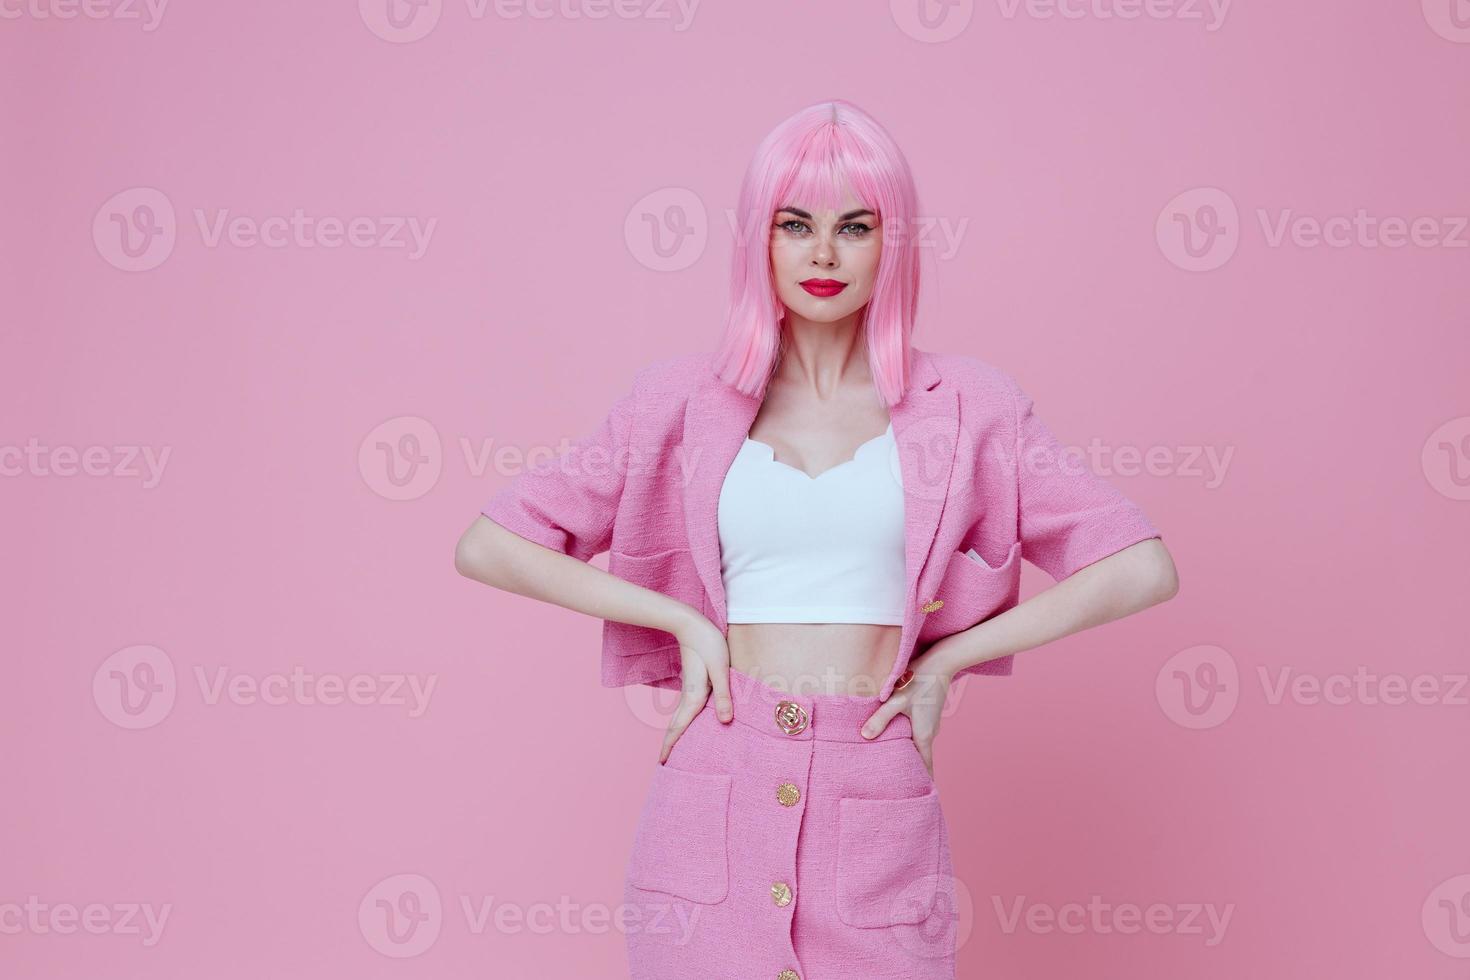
x: 823, y: 263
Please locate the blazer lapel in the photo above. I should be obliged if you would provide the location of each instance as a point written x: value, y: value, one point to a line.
x: 925, y: 426
x: 716, y: 424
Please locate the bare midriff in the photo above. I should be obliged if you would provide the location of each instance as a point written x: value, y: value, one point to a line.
x: 815, y: 658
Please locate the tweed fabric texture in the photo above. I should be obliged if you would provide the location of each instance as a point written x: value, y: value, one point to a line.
x: 862, y: 855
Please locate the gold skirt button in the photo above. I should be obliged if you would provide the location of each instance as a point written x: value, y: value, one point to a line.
x: 790, y: 717
x: 787, y: 975
x: 781, y: 894
x: 787, y: 794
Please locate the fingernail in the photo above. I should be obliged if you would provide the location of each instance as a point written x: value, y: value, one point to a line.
x: 867, y: 733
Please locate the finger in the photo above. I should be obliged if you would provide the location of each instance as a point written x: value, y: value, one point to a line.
x: 688, y: 707
x: 926, y: 752
x: 878, y: 720
x: 720, y: 682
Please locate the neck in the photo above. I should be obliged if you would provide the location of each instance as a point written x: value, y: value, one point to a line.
x: 823, y: 355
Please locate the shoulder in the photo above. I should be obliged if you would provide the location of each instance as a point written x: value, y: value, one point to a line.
x: 662, y: 387
x: 677, y: 374
x: 973, y: 377
x: 669, y: 383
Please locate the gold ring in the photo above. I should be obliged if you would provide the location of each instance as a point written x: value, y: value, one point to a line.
x: 903, y: 679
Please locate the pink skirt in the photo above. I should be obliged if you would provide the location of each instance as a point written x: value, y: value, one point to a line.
x: 785, y: 846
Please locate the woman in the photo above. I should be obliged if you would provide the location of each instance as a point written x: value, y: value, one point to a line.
x: 812, y: 532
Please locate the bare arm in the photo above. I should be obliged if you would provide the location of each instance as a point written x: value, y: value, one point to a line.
x: 1134, y: 578
x: 489, y: 553
x: 501, y: 558
x: 1119, y: 585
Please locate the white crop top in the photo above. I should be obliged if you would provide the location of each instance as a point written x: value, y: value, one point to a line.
x: 829, y: 549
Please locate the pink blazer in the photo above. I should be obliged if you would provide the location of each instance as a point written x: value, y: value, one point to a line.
x: 979, y: 469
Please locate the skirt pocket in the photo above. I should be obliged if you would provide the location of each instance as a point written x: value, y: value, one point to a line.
x: 887, y: 860
x: 681, y: 845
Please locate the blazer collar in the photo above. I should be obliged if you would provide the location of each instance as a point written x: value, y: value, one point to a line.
x: 925, y: 426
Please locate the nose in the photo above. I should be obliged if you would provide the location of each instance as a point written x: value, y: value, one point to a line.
x: 824, y: 255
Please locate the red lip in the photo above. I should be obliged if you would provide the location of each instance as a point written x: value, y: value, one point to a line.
x: 823, y: 287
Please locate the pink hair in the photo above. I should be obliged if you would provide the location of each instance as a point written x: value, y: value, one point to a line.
x: 812, y: 157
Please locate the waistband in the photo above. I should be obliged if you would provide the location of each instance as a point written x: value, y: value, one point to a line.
x: 826, y: 717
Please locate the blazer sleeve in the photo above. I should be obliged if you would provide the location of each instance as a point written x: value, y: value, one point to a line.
x: 1068, y: 517
x: 569, y: 502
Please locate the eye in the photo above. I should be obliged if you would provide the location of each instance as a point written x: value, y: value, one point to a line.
x: 794, y: 226
x: 856, y: 229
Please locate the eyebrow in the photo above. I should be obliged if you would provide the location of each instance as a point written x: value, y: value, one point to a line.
x: 841, y: 217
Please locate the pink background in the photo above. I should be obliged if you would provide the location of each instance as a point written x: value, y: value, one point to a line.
x: 278, y: 538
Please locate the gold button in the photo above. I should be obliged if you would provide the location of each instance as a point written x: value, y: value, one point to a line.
x: 932, y: 605
x: 790, y: 717
x: 788, y: 794
x: 787, y: 975
x: 781, y: 894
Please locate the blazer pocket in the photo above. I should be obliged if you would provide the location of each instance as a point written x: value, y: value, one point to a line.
x: 887, y: 860
x: 971, y: 591
x: 681, y: 845
x: 671, y: 572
